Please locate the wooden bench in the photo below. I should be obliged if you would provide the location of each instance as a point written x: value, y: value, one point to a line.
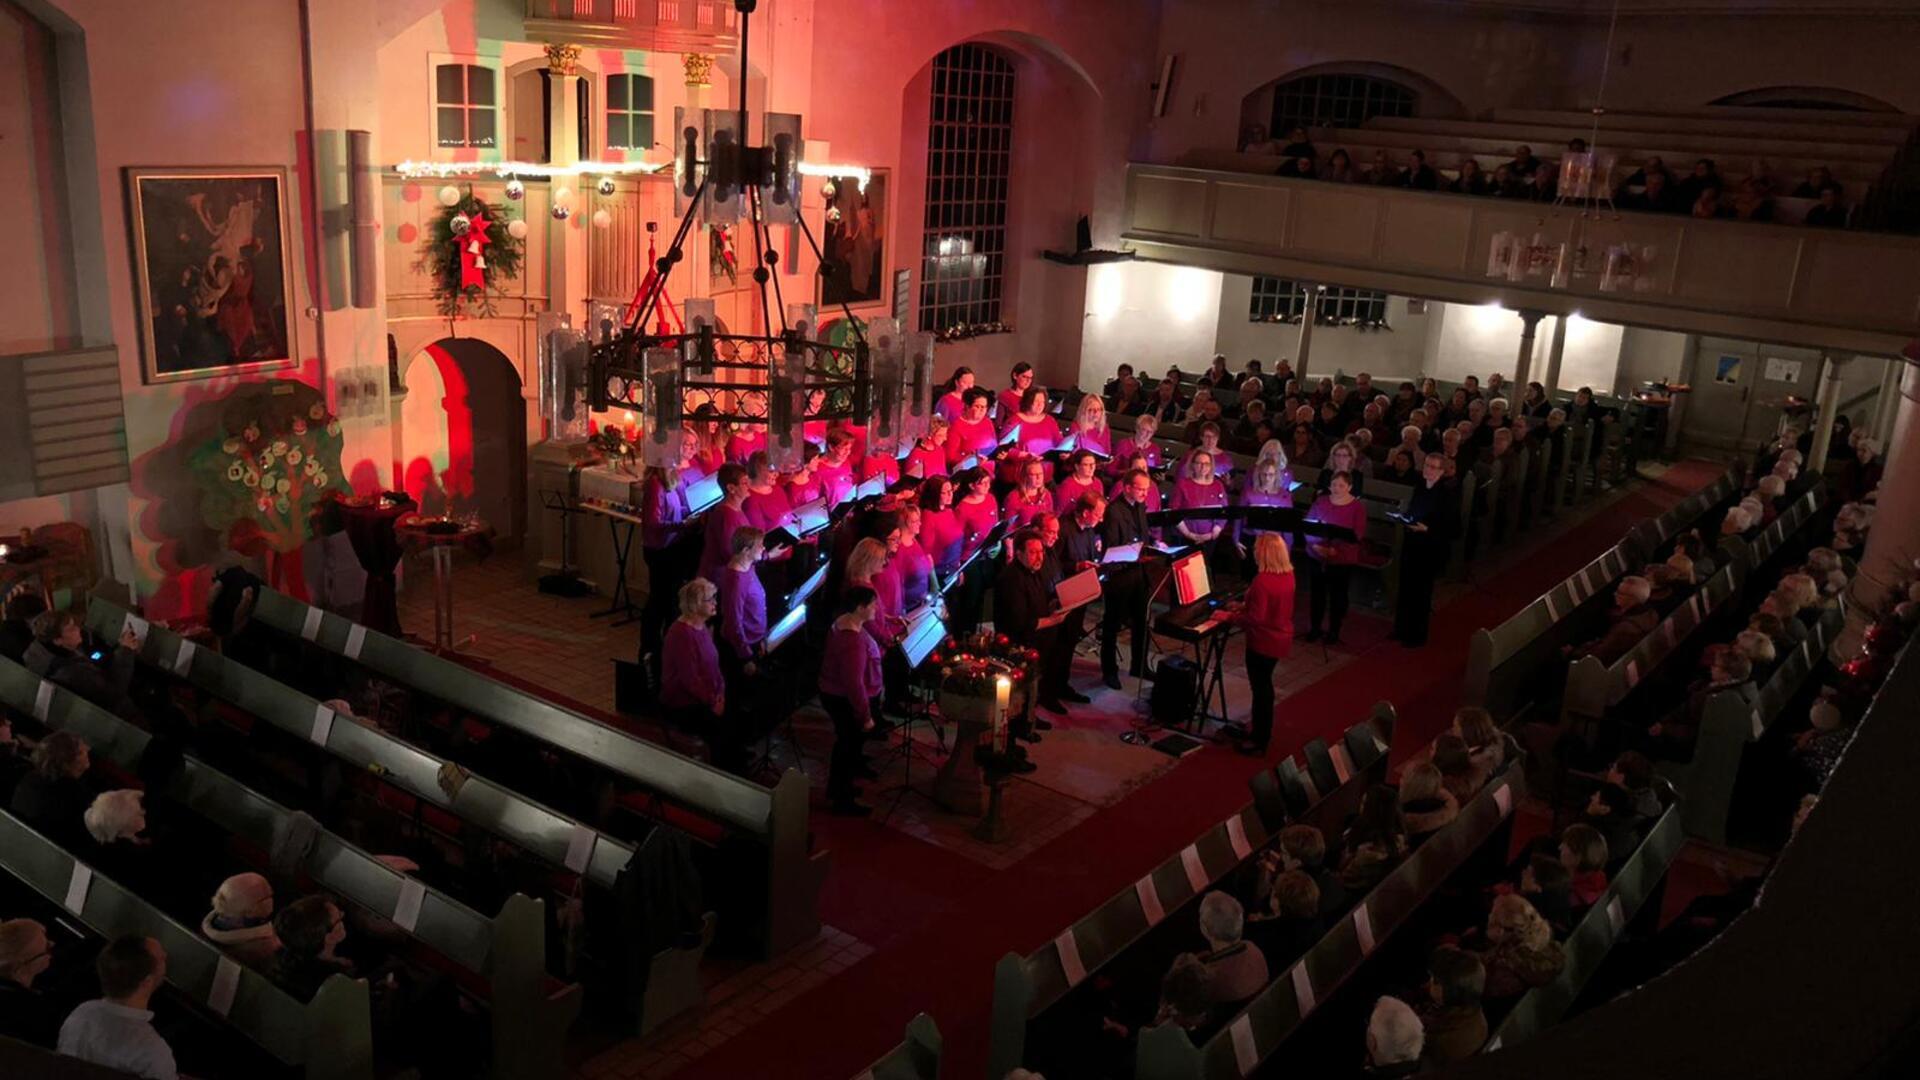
x: 502, y: 960
x: 1026, y: 987
x: 1730, y: 724
x: 330, y: 1037
x: 916, y: 1058
x: 1258, y: 1031
x: 773, y: 820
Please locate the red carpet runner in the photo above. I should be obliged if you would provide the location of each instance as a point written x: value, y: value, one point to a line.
x: 941, y: 922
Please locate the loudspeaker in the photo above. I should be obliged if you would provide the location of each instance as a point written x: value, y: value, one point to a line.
x: 1176, y: 685
x: 362, y: 222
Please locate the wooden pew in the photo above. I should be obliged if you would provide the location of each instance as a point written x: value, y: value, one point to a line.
x: 1634, y: 888
x: 504, y: 957
x: 774, y: 819
x: 916, y: 1058
x: 1025, y: 987
x: 552, y: 837
x: 1258, y: 1032
x: 25, y: 1059
x: 1730, y: 724
x: 331, y: 1037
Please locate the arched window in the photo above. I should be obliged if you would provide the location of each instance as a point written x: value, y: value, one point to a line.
x: 969, y: 152
x: 1806, y: 97
x: 1337, y: 100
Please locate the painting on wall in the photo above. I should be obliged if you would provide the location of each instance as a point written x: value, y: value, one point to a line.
x: 856, y: 241
x: 214, y: 270
x: 723, y: 262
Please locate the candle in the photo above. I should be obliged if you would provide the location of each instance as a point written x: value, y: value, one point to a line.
x: 1002, y: 692
x: 632, y: 426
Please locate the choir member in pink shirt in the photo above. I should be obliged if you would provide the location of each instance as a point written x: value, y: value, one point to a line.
x: 914, y: 560
x: 691, y: 689
x: 885, y: 465
x: 1089, y: 428
x: 1084, y: 477
x: 722, y: 519
x: 1200, y: 488
x: 1032, y: 498
x: 745, y: 441
x: 835, y: 469
x: 850, y: 683
x: 1334, y: 559
x: 954, y: 401
x: 929, y: 454
x: 767, y: 506
x: 1021, y: 378
x: 1141, y: 441
x: 805, y: 486
x: 973, y: 434
x: 712, y: 436
x: 940, y: 532
x: 977, y: 509
x: 1209, y: 441
x: 1269, y: 484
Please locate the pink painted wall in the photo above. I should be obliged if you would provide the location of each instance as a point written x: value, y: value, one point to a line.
x: 38, y: 309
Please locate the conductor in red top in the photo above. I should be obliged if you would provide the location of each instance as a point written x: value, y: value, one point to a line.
x: 1267, y: 617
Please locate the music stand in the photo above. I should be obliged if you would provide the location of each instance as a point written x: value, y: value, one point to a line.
x: 926, y: 629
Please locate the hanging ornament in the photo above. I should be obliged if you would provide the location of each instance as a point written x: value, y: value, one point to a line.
x: 563, y: 195
x: 516, y: 190
x: 473, y: 244
x: 602, y: 219
x: 449, y: 195
x: 561, y: 211
x: 829, y: 189
x: 517, y: 228
x: 460, y: 224
x: 833, y: 213
x: 606, y: 185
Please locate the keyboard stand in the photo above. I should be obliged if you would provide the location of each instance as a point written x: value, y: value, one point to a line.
x: 1210, y: 654
x: 620, y: 603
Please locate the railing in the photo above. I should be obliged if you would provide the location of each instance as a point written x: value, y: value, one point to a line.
x: 1824, y: 288
x: 656, y: 25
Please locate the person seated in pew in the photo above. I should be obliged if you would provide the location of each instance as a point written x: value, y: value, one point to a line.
x: 1375, y: 842
x: 1129, y: 396
x: 116, y: 844
x: 27, y: 1013
x: 1817, y: 750
x: 1583, y: 851
x: 1809, y: 604
x: 1630, y: 620
x: 241, y: 921
x: 1775, y: 628
x: 1235, y: 969
x: 1759, y: 650
x: 1521, y: 953
x: 52, y: 798
x: 1669, y: 585
x: 1291, y: 922
x: 1458, y: 774
x: 1609, y: 810
x: 1671, y: 738
x: 1303, y: 847
x: 1395, y: 1039
x: 1454, y: 1022
x: 116, y: 1028
x: 1548, y: 886
x: 16, y: 630
x: 58, y: 654
x: 1121, y: 373
x: 1632, y: 772
x: 1425, y: 803
x: 692, y: 691
x: 1738, y: 523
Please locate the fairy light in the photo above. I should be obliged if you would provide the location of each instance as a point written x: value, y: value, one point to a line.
x: 420, y: 170
x: 860, y: 173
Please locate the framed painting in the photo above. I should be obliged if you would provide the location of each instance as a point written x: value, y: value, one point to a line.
x: 855, y: 243
x: 213, y: 270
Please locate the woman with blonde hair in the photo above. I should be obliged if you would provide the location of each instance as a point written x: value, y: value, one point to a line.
x: 1270, y: 483
x: 1267, y: 616
x: 692, y: 690
x: 929, y: 454
x: 1200, y: 489
x: 1425, y: 802
x: 1145, y: 427
x: 865, y: 569
x: 1522, y: 952
x: 1090, y: 430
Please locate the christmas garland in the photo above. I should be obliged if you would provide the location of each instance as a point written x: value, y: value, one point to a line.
x: 469, y: 251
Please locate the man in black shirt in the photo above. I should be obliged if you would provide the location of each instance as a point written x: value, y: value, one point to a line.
x: 1125, y: 590
x: 1432, y: 520
x: 1078, y: 551
x: 1022, y: 598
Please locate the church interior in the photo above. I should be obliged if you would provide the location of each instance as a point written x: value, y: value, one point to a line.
x: 1353, y: 549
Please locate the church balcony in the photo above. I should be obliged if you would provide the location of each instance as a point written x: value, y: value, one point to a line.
x: 1824, y: 288
x: 669, y: 26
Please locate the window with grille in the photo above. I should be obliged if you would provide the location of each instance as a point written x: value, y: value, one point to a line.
x: 1281, y: 300
x: 969, y: 150
x: 629, y: 112
x: 1340, y: 101
x: 465, y: 107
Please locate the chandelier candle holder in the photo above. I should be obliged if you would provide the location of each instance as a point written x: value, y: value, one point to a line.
x: 875, y: 375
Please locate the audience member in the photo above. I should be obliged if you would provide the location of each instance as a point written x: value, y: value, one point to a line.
x: 26, y: 1013
x: 1828, y: 213
x: 1631, y: 619
x: 1419, y: 175
x: 1425, y: 803
x: 116, y: 1029
x: 1454, y: 1023
x: 1375, y: 842
x: 57, y: 654
x: 1457, y: 772
x: 241, y: 920
x: 1235, y: 969
x: 1583, y: 851
x: 309, y: 930
x: 1292, y: 923
x: 52, y: 798
x: 1395, y: 1039
x: 1818, y: 749
x: 1522, y: 953
x: 16, y: 630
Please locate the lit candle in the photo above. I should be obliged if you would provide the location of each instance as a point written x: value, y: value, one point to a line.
x: 632, y: 426
x: 1002, y: 693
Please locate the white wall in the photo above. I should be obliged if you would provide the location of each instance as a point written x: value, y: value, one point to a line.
x: 1651, y: 355
x: 1591, y: 357
x: 1149, y: 315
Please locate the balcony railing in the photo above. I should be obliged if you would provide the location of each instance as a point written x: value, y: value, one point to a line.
x: 707, y: 26
x: 1824, y: 288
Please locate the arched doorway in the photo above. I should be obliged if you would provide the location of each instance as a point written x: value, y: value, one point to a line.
x: 463, y: 434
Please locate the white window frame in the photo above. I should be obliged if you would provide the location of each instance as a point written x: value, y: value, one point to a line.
x: 500, y: 92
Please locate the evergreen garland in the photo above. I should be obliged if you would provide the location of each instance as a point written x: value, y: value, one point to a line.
x: 440, y: 257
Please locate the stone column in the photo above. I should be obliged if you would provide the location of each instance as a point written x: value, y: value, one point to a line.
x: 1894, y: 540
x: 1825, y: 403
x: 1556, y: 350
x: 1308, y: 313
x: 698, y: 70
x: 567, y: 272
x: 1888, y: 406
x: 1523, y: 360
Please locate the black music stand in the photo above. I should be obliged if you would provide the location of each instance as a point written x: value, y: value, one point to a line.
x: 620, y: 602
x: 566, y: 580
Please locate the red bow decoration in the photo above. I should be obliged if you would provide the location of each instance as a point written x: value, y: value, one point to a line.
x: 473, y: 262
